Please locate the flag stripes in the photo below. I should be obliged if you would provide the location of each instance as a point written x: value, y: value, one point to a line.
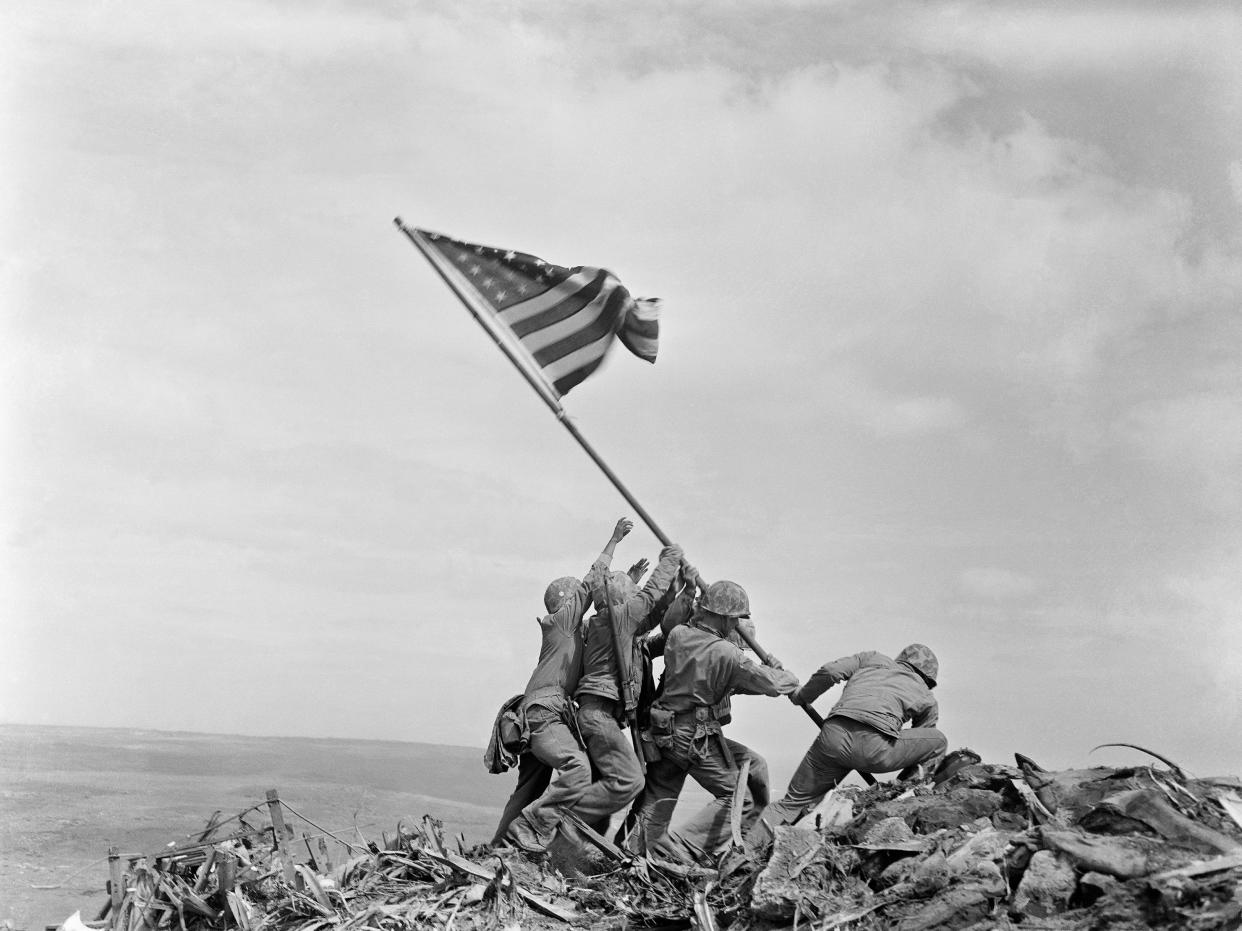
x: 564, y: 318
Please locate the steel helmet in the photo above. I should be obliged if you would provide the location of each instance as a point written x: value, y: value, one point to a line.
x: 620, y: 586
x: 728, y: 599
x: 558, y: 591
x: 922, y: 660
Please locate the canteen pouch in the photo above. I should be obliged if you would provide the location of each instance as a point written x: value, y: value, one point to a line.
x: 514, y: 734
x: 651, y: 753
x: 662, y: 721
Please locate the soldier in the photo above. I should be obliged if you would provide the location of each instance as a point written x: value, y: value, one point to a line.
x: 612, y: 667
x: 864, y: 729
x: 702, y: 668
x: 534, y: 775
x: 548, y: 708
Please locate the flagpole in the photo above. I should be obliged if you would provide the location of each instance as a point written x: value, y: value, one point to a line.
x: 544, y: 391
x: 539, y: 386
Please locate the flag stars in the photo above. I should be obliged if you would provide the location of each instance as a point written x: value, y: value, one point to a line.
x: 488, y: 281
x: 475, y: 270
x: 510, y: 256
x: 500, y: 296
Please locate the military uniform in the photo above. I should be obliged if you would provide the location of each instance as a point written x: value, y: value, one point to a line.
x: 549, y: 713
x: 601, y: 702
x: 864, y: 729
x: 701, y: 670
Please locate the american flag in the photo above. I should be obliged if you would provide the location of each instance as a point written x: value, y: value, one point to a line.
x: 565, y: 318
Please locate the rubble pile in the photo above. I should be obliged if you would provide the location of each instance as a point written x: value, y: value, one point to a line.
x: 977, y: 846
x: 985, y: 846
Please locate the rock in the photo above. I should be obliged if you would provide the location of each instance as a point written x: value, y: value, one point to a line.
x: 1046, y: 886
x: 1150, y: 810
x: 833, y: 814
x: 978, y: 861
x: 953, y: 809
x: 788, y: 878
x: 1098, y: 854
x: 1092, y: 886
x: 898, y: 871
x: 957, y: 907
x: 891, y: 834
x: 930, y: 875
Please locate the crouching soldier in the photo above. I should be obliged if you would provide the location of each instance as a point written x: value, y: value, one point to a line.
x: 702, y: 668
x: 864, y: 729
x: 549, y: 712
x: 611, y: 678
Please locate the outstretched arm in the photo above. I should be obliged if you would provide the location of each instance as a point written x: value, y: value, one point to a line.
x: 619, y: 533
x: 826, y: 677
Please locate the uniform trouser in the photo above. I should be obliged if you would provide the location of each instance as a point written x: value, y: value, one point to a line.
x: 533, y: 778
x: 554, y: 744
x: 844, y: 744
x: 757, y: 783
x: 700, y: 756
x: 620, y: 776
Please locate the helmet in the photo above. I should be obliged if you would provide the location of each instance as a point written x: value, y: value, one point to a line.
x: 922, y: 660
x: 620, y: 586
x: 558, y: 590
x: 728, y: 599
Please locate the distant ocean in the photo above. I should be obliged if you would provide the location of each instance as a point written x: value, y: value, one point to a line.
x: 68, y: 793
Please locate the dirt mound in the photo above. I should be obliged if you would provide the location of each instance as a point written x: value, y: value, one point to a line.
x: 980, y: 846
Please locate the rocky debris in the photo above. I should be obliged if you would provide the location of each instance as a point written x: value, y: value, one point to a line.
x: 990, y: 846
x: 981, y: 847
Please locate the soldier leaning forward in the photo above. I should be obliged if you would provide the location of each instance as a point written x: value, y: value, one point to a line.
x: 702, y: 668
x: 864, y: 731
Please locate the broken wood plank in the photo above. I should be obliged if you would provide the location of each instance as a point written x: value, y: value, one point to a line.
x: 740, y: 789
x: 226, y: 875
x: 602, y: 844
x: 1216, y: 865
x: 310, y: 851
x: 704, y: 917
x: 479, y: 872
x: 434, y: 832
x: 200, y: 878
x: 281, y: 833
x: 116, y: 879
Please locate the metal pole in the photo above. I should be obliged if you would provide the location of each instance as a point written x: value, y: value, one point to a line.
x: 536, y: 382
x: 541, y: 388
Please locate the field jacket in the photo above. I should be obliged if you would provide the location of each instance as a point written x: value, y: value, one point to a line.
x: 879, y: 692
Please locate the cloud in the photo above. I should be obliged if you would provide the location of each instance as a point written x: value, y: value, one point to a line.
x: 996, y: 584
x: 1198, y: 436
x: 1065, y: 36
x: 1235, y: 180
x: 328, y: 30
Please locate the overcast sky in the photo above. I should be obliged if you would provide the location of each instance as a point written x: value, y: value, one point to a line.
x: 950, y: 353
